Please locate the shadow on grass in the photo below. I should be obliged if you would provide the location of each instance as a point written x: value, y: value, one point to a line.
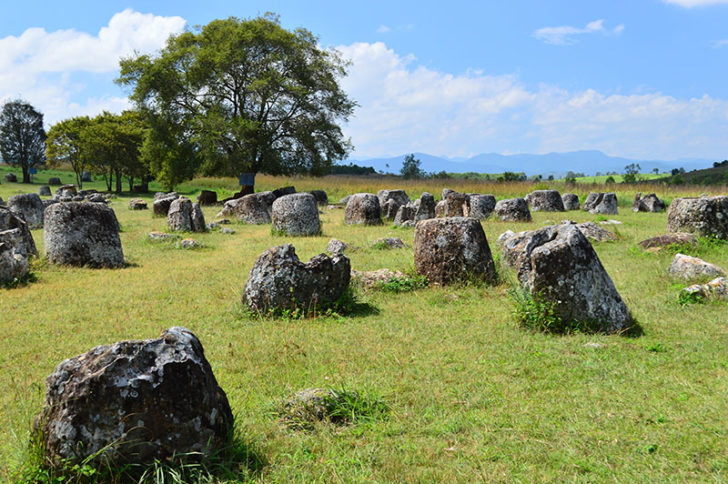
x: 348, y: 305
x: 240, y: 460
x: 634, y: 331
x: 23, y: 281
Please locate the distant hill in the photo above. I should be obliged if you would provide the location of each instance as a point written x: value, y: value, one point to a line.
x: 557, y: 164
x: 716, y: 175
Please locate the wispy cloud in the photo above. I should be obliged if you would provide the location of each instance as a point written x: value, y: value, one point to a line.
x: 50, y: 69
x: 720, y: 43
x: 407, y: 107
x: 696, y: 3
x: 385, y: 29
x: 567, y: 35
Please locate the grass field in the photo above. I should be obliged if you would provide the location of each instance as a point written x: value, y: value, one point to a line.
x: 602, y: 179
x: 471, y: 395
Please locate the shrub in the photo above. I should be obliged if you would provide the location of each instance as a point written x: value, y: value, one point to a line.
x: 685, y: 298
x: 536, y: 313
x: 404, y: 284
x: 328, y: 405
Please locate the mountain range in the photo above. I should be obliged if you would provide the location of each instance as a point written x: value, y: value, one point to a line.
x: 558, y: 164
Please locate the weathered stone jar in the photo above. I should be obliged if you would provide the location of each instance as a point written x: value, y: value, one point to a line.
x: 134, y: 402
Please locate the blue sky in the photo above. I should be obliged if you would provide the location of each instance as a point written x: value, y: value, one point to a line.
x: 639, y: 78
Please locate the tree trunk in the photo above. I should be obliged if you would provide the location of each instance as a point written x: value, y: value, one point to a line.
x: 79, y: 181
x: 131, y: 183
x: 109, y: 178
x: 119, y: 181
x: 26, y: 173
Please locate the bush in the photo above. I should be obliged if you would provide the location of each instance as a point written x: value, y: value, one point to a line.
x: 538, y: 314
x: 329, y: 405
x: 404, y: 284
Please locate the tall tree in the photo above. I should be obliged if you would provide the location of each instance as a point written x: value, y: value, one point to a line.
x: 411, y: 167
x: 112, y: 145
x: 22, y: 137
x: 250, y: 96
x: 64, y: 145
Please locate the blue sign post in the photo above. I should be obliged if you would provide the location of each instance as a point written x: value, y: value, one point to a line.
x: 32, y: 171
x: 246, y: 179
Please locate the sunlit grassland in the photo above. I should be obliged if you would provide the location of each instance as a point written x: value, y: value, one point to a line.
x: 472, y: 396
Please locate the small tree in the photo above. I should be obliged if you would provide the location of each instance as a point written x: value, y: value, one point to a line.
x: 22, y: 137
x: 63, y: 145
x: 630, y: 172
x: 112, y: 144
x: 411, y: 168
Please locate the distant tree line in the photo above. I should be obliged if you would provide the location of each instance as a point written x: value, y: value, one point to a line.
x: 352, y: 169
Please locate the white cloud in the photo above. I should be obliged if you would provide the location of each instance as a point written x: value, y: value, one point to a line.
x: 41, y: 66
x: 696, y: 3
x: 720, y: 43
x: 405, y: 107
x: 567, y: 35
x: 383, y: 29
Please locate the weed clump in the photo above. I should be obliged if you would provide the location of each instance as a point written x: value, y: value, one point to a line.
x: 537, y: 313
x: 307, y: 408
x: 403, y: 284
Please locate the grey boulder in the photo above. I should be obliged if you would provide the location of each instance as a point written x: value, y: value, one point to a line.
x: 593, y: 231
x: 296, y: 215
x: 455, y: 204
x: 602, y: 203
x: 320, y: 196
x: 648, y: 203
x: 715, y: 290
x: 137, y: 204
x: 135, y: 402
x: 363, y: 209
x: 82, y: 234
x: 545, y: 201
x: 570, y: 201
x: 9, y: 221
x: 185, y: 216
x: 254, y: 209
x: 397, y: 198
x: 704, y: 216
x: 29, y: 206
x: 677, y: 238
x: 558, y: 265
x: 689, y: 268
x: 479, y: 206
x: 162, y: 202
x: 405, y: 213
x: 13, y: 256
x: 453, y: 249
x: 512, y: 210
x: 280, y: 281
x: 425, y: 206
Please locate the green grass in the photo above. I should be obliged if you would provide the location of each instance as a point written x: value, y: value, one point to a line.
x: 602, y: 179
x: 471, y: 395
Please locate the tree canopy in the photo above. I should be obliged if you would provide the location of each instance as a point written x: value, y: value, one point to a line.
x: 241, y: 96
x: 22, y: 137
x: 63, y: 145
x: 411, y: 167
x: 108, y: 144
x: 112, y: 145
